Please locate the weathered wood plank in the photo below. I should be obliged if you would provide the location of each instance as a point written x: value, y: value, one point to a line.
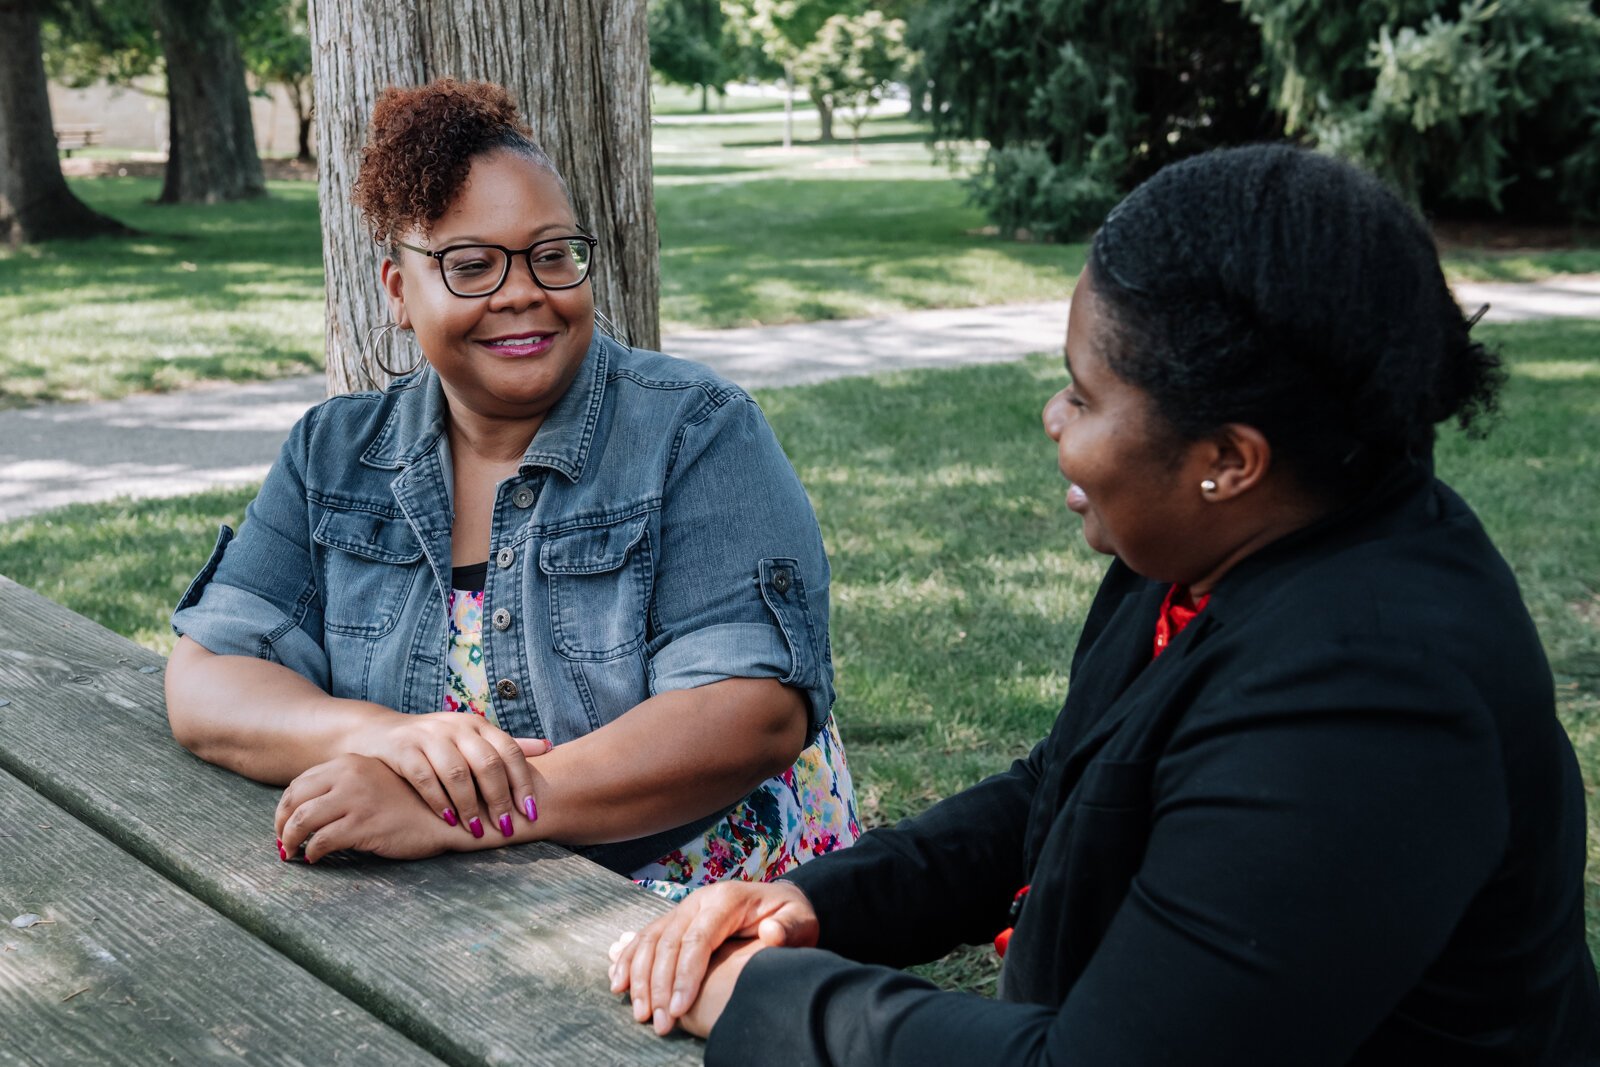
x: 493, y: 957
x: 130, y: 969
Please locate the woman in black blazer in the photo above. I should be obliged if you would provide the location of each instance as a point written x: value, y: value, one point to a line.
x: 1307, y: 801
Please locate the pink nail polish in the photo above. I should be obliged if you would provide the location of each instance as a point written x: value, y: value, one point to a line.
x: 282, y: 855
x: 449, y: 816
x: 505, y: 825
x: 476, y: 826
x: 531, y: 808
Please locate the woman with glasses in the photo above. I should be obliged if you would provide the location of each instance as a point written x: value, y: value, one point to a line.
x: 1307, y: 801
x: 544, y: 587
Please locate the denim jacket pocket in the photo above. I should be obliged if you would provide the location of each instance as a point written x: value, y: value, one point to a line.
x: 600, y: 580
x: 367, y: 570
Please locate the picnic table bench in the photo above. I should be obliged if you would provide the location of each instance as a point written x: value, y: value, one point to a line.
x: 71, y: 136
x: 145, y: 916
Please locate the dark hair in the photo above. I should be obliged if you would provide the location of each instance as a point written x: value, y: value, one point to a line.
x: 421, y: 146
x: 1292, y: 292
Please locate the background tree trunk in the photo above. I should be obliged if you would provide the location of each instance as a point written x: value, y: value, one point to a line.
x: 35, y: 202
x: 580, y: 72
x: 213, y: 142
x: 824, y: 106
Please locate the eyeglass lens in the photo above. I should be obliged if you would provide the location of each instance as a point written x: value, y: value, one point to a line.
x: 474, y: 270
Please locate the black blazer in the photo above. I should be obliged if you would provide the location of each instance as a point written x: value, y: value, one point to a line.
x: 1335, y: 822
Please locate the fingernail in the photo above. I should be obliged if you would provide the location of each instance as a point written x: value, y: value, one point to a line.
x: 663, y: 1023
x: 282, y: 855
x: 449, y: 816
x: 531, y: 808
x: 505, y: 825
x: 640, y: 1012
x: 476, y: 826
x: 678, y: 1007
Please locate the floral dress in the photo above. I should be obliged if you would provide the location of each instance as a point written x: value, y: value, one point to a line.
x: 806, y: 811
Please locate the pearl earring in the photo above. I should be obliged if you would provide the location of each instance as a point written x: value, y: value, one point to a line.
x: 1208, y: 486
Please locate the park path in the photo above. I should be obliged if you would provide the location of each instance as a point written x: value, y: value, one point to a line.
x: 177, y: 443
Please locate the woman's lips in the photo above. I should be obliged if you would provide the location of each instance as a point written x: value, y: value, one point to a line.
x: 1077, y: 500
x: 519, y: 347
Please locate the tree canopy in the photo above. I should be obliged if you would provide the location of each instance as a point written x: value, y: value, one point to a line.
x: 1476, y: 107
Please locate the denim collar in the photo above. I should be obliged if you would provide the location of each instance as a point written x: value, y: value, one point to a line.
x: 417, y: 420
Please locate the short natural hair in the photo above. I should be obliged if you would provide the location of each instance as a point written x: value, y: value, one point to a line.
x: 421, y: 145
x: 1287, y: 290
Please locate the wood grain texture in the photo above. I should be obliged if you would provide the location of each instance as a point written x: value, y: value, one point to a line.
x: 495, y: 957
x: 132, y: 970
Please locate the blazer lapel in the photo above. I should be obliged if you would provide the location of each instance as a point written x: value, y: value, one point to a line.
x: 1105, y: 677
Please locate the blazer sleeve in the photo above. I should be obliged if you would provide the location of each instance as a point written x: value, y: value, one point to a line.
x: 911, y: 893
x: 1317, y: 832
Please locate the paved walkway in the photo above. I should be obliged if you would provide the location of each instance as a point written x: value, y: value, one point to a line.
x: 177, y: 443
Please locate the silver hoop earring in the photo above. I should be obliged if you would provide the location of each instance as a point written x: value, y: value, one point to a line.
x: 1208, y: 486
x: 371, y: 348
x: 611, y: 329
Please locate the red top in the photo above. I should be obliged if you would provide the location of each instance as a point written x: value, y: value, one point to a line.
x: 1177, y: 611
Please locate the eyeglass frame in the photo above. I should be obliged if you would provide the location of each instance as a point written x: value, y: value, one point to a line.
x: 510, y: 254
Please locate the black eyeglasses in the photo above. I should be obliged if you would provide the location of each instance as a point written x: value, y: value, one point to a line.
x: 480, y: 270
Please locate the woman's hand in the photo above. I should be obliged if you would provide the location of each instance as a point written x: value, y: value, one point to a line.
x: 451, y: 760
x: 357, y: 802
x: 665, y: 964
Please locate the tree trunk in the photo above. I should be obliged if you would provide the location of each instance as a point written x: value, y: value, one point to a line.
x: 35, y: 202
x: 824, y: 104
x: 580, y: 72
x: 213, y: 156
x: 788, y: 105
x: 304, y: 102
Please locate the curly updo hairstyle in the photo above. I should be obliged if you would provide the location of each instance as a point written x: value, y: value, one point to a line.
x: 421, y: 145
x: 1289, y: 291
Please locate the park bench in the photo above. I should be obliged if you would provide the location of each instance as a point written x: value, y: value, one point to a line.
x: 70, y: 137
x: 145, y: 916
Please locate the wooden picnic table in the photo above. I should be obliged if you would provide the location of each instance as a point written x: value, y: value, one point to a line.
x: 168, y: 931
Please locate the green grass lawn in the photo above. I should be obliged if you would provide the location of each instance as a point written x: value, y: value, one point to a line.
x: 959, y: 579
x: 751, y: 233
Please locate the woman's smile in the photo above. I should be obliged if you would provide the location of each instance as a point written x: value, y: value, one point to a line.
x: 520, y: 345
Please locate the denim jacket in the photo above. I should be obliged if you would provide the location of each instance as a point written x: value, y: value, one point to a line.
x: 655, y: 537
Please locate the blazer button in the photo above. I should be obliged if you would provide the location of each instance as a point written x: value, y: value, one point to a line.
x: 501, y: 619
x: 505, y: 558
x: 507, y: 689
x: 522, y: 497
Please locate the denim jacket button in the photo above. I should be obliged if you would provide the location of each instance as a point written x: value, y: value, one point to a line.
x: 507, y: 689
x: 505, y: 558
x: 780, y: 581
x: 501, y: 619
x: 522, y: 497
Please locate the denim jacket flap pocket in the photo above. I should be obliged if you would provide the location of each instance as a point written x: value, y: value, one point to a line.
x: 365, y: 578
x: 599, y: 588
x: 380, y: 538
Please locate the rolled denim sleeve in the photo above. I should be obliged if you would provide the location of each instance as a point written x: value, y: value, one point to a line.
x: 742, y: 578
x: 257, y: 593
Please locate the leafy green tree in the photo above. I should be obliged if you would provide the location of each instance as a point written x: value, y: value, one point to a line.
x: 852, y: 63
x: 1466, y: 107
x: 275, y: 37
x: 1080, y: 99
x: 36, y: 203
x: 769, y: 36
x: 195, y: 44
x: 690, y: 45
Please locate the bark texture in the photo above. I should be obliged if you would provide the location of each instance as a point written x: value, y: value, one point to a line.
x: 212, y: 156
x: 580, y: 73
x: 35, y: 202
